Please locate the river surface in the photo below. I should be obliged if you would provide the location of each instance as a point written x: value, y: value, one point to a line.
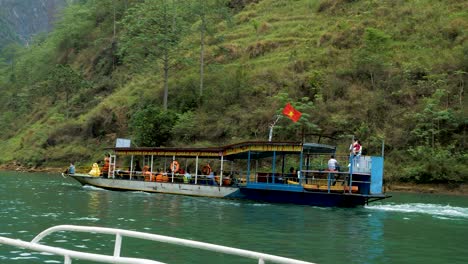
x: 407, y: 228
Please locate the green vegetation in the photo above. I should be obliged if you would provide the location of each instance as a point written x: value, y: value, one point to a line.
x: 210, y: 72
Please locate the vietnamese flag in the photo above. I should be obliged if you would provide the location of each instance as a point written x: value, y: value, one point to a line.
x: 292, y: 113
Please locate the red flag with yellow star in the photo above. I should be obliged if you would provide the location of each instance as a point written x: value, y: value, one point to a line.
x: 292, y: 113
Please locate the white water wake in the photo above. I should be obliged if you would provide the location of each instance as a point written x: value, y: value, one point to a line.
x: 436, y: 210
x: 89, y: 187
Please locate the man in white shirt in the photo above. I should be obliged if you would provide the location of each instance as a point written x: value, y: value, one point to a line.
x: 332, y: 163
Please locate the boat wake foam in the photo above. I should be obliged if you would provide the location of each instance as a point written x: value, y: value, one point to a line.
x: 89, y: 187
x: 436, y: 210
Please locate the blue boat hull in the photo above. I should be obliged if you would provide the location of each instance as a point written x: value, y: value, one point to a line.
x: 305, y: 198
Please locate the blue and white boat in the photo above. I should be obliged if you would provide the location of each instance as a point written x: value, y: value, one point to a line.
x: 276, y: 172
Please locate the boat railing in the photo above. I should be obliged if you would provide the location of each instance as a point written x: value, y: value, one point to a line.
x: 315, y: 180
x: 120, y: 233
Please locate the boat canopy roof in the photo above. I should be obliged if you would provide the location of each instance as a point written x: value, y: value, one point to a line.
x: 257, y: 149
x: 315, y: 148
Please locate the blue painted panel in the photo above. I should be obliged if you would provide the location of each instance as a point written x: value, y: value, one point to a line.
x: 306, y: 198
x: 276, y: 187
x: 377, y: 175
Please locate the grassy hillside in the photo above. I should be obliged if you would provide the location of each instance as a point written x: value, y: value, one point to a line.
x: 392, y: 71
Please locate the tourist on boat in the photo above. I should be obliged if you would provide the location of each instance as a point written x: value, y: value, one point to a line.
x: 211, y: 178
x: 70, y: 169
x: 206, y: 170
x: 137, y: 166
x: 292, y: 173
x: 356, y: 150
x: 147, y: 173
x: 187, y: 176
x: 227, y: 180
x: 95, y: 171
x: 333, y: 164
x: 105, y: 167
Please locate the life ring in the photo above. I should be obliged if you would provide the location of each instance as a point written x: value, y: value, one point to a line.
x: 206, y: 170
x: 175, y: 166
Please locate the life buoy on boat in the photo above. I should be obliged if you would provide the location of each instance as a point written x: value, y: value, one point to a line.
x: 175, y: 166
x: 206, y: 170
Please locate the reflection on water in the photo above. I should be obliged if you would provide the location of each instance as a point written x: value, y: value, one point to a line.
x: 376, y: 250
x: 96, y: 202
x: 404, y: 229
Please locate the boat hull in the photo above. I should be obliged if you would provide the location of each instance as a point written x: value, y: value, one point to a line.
x: 305, y: 197
x: 287, y: 194
x: 158, y: 187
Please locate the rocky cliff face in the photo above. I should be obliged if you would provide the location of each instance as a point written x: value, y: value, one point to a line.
x: 20, y: 20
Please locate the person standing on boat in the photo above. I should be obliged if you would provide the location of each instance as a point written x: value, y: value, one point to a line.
x: 333, y: 164
x: 355, y: 150
x: 105, y: 167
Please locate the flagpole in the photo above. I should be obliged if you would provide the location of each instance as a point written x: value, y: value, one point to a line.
x: 270, y: 136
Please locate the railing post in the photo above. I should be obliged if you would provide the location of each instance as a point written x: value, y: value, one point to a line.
x: 273, y: 167
x: 67, y: 260
x: 196, y: 169
x: 118, y: 244
x: 221, y: 171
x: 247, y: 180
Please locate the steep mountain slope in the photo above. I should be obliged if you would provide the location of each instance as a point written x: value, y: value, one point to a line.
x: 391, y: 71
x: 20, y: 20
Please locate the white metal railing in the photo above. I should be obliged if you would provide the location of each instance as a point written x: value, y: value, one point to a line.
x: 119, y: 233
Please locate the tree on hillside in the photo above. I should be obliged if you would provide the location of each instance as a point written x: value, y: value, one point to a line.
x: 64, y: 80
x: 13, y: 89
x: 205, y: 11
x: 151, y: 126
x: 435, y: 122
x: 152, y: 30
x: 373, y: 58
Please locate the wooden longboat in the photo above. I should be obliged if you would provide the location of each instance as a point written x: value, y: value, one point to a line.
x: 249, y: 170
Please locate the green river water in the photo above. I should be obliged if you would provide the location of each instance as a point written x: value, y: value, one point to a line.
x: 407, y: 228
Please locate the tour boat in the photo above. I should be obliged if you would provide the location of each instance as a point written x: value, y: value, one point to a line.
x: 276, y: 172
